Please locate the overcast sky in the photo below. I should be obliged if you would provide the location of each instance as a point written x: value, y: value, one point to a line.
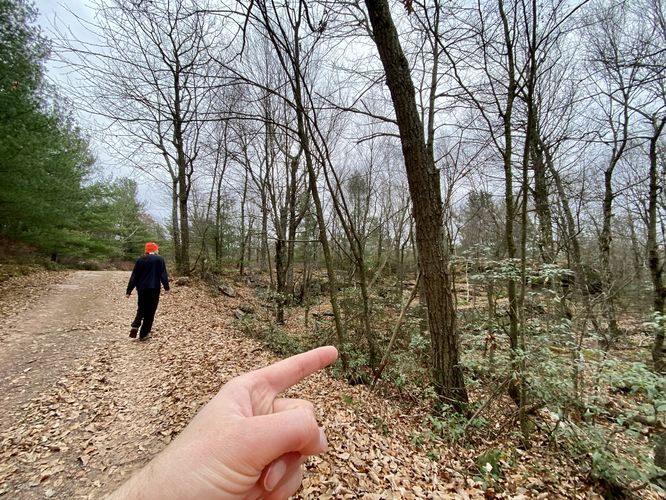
x: 56, y: 16
x: 59, y: 10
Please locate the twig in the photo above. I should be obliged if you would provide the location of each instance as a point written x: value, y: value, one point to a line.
x: 495, y: 393
x: 645, y: 484
x: 394, y: 335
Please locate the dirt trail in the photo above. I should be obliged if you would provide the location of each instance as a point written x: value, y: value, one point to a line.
x: 55, y: 357
x: 43, y: 342
x: 83, y: 406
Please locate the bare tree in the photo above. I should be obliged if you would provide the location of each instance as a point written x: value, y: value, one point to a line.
x: 150, y: 75
x: 424, y: 186
x: 616, y: 87
x: 646, y: 55
x: 283, y: 25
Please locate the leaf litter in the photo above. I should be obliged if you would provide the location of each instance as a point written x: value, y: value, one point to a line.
x: 119, y: 402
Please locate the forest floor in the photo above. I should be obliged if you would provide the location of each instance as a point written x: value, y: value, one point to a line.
x: 82, y: 406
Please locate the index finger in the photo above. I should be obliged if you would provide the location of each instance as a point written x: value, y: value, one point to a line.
x: 290, y: 371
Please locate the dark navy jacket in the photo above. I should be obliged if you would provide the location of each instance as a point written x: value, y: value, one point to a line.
x: 149, y: 271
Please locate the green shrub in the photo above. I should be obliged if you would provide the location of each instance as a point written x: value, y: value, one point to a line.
x: 490, y: 467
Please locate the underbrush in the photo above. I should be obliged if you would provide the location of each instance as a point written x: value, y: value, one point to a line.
x: 598, y: 413
x: 602, y: 410
x: 273, y: 337
x: 33, y: 265
x: 14, y: 270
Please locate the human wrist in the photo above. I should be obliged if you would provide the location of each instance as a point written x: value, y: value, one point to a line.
x: 156, y: 480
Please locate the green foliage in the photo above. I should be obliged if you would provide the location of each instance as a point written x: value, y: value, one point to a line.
x: 418, y: 342
x: 548, y: 380
x: 632, y: 377
x: 380, y: 424
x: 409, y: 368
x: 614, y: 466
x: 357, y: 369
x: 46, y: 199
x: 490, y: 466
x: 450, y: 426
x: 599, y: 405
x: 44, y: 164
x: 655, y: 322
x: 348, y: 400
x: 116, y: 219
x: 552, y: 273
x: 351, y: 306
x: 281, y: 343
x: 22, y: 51
x: 596, y: 422
x: 418, y: 439
x: 501, y: 271
x: 273, y: 336
x: 43, y: 159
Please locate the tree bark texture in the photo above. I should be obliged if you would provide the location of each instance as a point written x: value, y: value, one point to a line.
x: 605, y: 239
x: 182, y: 165
x: 655, y: 262
x: 424, y: 186
x: 542, y: 204
x: 175, y: 230
x: 507, y: 117
x: 243, y: 231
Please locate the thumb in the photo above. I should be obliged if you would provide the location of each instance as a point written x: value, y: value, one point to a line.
x: 294, y: 430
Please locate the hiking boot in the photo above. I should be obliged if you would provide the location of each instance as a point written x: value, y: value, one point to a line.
x: 133, y: 332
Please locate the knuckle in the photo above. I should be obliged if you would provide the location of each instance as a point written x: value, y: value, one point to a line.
x: 308, y: 422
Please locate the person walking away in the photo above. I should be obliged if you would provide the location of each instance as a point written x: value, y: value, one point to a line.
x: 149, y: 272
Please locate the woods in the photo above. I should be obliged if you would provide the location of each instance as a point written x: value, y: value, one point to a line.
x: 49, y: 197
x: 465, y: 198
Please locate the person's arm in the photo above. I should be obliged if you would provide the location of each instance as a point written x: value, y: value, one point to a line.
x: 244, y: 444
x: 132, y: 281
x: 164, y: 276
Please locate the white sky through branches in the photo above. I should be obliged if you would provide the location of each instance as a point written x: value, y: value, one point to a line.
x: 64, y: 17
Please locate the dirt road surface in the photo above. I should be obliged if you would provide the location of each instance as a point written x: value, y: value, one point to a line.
x: 82, y: 406
x: 44, y: 342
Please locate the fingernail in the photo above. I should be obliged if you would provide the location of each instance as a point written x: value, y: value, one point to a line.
x: 323, y: 442
x: 275, y: 474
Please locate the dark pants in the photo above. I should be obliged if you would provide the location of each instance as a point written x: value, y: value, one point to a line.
x: 145, y: 313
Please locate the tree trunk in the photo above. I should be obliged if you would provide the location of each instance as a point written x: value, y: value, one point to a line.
x: 424, y: 186
x: 243, y: 231
x: 579, y: 272
x: 218, y: 225
x: 528, y: 153
x: 281, y: 276
x: 367, y: 327
x: 184, y: 222
x: 332, y: 281
x: 263, y: 259
x: 294, y: 222
x: 174, y: 225
x: 183, y: 176
x: 510, y: 208
x: 637, y: 254
x: 605, y: 237
x: 655, y: 263
x: 605, y: 254
x: 321, y: 221
x: 542, y: 204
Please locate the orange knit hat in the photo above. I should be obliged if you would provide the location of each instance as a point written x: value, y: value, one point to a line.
x: 151, y: 247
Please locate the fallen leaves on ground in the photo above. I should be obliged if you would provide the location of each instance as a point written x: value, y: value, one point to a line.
x: 20, y: 286
x: 121, y: 401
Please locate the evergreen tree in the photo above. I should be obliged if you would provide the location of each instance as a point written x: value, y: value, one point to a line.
x: 44, y: 160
